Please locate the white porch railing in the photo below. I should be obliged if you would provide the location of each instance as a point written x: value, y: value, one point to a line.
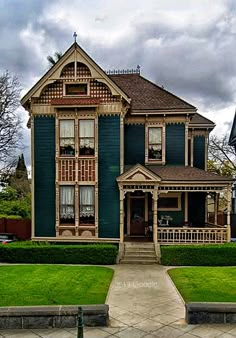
x: 167, y: 235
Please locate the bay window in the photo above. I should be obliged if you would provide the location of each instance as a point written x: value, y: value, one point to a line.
x: 86, y: 137
x: 67, y: 138
x: 67, y: 204
x: 86, y: 207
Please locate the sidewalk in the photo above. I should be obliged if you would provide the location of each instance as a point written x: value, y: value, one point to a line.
x: 143, y: 303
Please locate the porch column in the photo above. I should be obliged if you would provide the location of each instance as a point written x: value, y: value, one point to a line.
x: 216, y: 202
x: 186, y: 206
x: 122, y: 195
x: 206, y: 208
x: 155, y: 198
x: 228, y: 213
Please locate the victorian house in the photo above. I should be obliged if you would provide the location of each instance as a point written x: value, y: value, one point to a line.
x: 116, y: 157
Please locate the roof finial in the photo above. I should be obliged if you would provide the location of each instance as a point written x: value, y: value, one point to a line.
x: 75, y: 36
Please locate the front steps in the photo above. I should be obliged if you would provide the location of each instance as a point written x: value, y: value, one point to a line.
x: 139, y: 253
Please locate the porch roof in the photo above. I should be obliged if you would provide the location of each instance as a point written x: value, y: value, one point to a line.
x: 183, y: 174
x: 186, y: 173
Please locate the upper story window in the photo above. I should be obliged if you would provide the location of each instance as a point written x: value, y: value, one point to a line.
x: 67, y: 138
x: 155, y: 143
x: 76, y: 89
x: 86, y: 137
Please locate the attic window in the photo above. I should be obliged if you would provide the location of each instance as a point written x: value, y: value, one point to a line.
x: 76, y: 89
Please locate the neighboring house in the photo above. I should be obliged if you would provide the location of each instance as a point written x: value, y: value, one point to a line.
x: 115, y: 156
x: 232, y: 142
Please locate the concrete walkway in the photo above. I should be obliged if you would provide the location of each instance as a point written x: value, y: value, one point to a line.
x: 143, y: 303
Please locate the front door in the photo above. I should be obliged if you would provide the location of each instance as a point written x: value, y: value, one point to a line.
x: 137, y: 207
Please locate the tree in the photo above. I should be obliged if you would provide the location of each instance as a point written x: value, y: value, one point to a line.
x: 222, y: 156
x: 52, y: 60
x: 10, y: 123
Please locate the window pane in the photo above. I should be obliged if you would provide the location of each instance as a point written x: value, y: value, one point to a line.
x: 86, y: 128
x: 86, y: 137
x: 154, y: 152
x: 76, y: 89
x: 87, y: 204
x: 67, y: 140
x: 154, y: 146
x: 67, y: 128
x: 67, y: 204
x: 168, y: 202
x: 154, y: 135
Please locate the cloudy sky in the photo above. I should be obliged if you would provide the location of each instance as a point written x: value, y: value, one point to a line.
x: 188, y: 46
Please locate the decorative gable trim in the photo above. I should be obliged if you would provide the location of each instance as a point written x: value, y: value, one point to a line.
x: 138, y: 174
x: 74, y: 54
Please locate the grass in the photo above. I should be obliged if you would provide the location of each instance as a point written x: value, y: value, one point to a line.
x: 25, y: 285
x: 205, y: 284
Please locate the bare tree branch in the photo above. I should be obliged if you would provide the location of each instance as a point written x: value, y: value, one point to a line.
x: 10, y: 123
x: 222, y: 156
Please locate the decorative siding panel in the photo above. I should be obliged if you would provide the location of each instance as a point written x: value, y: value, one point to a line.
x: 44, y: 157
x: 109, y: 169
x: 196, y: 208
x: 66, y: 170
x: 87, y: 170
x: 175, y: 144
x: 199, y: 152
x: 134, y: 144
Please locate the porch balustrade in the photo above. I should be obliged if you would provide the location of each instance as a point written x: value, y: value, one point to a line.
x: 167, y: 235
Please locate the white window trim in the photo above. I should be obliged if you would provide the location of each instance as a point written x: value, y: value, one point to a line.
x: 72, y: 82
x: 163, y: 143
x: 171, y: 195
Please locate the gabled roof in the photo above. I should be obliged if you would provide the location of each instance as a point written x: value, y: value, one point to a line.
x: 138, y: 173
x: 52, y: 74
x: 232, y: 137
x: 199, y: 120
x: 146, y: 95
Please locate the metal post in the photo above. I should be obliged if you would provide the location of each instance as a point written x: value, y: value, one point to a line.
x: 80, y: 324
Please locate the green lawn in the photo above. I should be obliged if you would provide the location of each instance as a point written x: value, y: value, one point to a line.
x: 53, y: 285
x: 205, y: 284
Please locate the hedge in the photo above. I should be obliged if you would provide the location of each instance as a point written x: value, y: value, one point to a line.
x: 199, y: 255
x: 58, y: 254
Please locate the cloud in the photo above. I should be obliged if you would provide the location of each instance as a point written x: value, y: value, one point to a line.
x: 187, y: 46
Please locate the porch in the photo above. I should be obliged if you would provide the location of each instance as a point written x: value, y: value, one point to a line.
x: 171, y: 212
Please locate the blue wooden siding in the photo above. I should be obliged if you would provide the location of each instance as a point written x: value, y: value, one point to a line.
x: 134, y: 144
x: 175, y: 144
x: 44, y: 178
x: 109, y: 169
x: 199, y: 152
x: 196, y: 208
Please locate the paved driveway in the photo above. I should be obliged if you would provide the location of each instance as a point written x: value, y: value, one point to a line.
x: 143, y: 303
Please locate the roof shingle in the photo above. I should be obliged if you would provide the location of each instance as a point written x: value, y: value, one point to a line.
x: 146, y: 95
x: 181, y: 173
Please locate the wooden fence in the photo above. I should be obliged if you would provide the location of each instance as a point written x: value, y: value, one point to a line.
x: 20, y: 227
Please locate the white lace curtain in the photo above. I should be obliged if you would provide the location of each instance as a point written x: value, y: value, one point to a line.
x: 86, y: 201
x: 154, y: 135
x: 67, y: 132
x: 86, y: 133
x: 86, y: 128
x: 67, y: 201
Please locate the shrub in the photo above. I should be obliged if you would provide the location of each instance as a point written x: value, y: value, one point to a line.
x: 19, y: 252
x: 10, y: 216
x: 199, y: 255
